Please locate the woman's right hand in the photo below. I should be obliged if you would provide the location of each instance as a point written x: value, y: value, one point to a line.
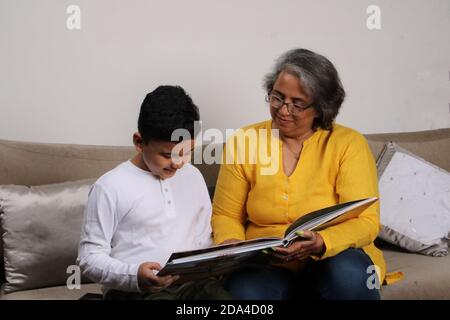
x: 149, y: 281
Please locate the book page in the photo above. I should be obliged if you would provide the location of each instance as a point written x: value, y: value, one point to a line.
x: 326, y: 217
x: 223, y: 250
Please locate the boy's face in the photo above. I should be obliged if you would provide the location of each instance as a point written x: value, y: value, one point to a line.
x: 163, y: 158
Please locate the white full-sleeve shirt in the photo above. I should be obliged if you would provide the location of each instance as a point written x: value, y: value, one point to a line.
x: 133, y: 217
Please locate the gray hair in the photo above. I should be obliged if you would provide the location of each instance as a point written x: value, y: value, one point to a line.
x: 319, y: 78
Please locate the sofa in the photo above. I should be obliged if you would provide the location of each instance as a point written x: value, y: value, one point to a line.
x: 28, y: 163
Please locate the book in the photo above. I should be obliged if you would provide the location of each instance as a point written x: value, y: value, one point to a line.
x: 221, y: 259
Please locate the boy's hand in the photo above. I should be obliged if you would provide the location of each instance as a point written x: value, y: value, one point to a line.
x: 148, y: 281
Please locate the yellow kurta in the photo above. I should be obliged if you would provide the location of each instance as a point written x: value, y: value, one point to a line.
x: 334, y: 167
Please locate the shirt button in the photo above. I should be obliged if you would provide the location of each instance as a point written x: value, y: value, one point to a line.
x: 285, y: 196
x: 166, y: 190
x: 169, y: 202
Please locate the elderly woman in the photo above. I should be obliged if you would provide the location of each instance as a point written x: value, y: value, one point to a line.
x: 321, y: 164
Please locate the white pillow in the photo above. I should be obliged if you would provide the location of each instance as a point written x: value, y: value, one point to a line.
x: 415, y: 202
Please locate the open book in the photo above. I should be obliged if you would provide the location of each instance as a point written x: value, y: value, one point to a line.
x: 220, y: 259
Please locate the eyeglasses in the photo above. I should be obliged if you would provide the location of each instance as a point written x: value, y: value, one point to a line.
x: 293, y: 108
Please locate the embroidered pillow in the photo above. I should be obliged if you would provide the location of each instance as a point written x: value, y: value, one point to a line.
x: 415, y: 202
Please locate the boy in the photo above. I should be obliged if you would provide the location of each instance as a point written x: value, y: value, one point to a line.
x: 148, y: 207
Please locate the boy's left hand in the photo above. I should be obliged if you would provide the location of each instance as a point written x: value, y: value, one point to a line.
x: 149, y: 281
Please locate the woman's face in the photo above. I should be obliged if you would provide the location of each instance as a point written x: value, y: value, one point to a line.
x: 290, y: 89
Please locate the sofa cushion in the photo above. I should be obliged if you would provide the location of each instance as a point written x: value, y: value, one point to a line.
x: 32, y: 163
x: 41, y: 231
x: 431, y: 145
x: 415, y: 197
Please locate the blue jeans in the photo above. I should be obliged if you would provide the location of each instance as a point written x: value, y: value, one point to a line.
x: 343, y: 276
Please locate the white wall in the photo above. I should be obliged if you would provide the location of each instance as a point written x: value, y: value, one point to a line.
x: 85, y: 86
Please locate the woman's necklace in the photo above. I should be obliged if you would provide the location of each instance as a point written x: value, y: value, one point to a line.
x: 298, y: 139
x: 295, y: 154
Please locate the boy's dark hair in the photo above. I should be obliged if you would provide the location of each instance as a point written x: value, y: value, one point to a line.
x: 164, y: 110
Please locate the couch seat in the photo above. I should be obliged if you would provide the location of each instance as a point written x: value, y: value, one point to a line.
x: 53, y: 293
x: 425, y: 277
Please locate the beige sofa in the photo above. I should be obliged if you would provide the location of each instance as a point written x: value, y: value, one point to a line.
x: 36, y: 163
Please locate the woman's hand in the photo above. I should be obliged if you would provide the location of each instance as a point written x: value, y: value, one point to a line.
x: 149, y: 281
x: 309, y: 243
